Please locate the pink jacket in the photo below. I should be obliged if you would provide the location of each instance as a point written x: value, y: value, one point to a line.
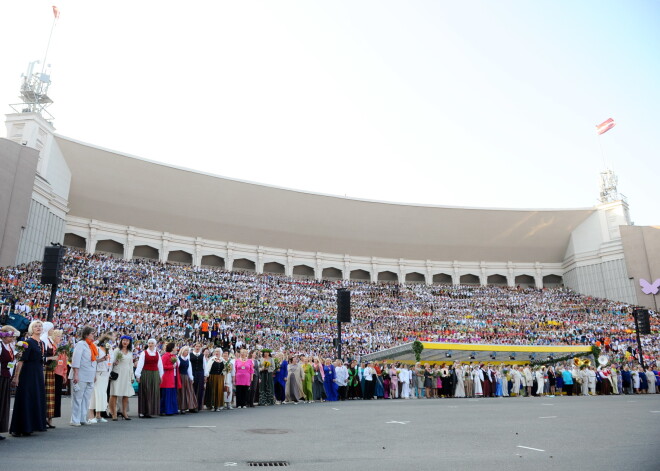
x: 244, y: 372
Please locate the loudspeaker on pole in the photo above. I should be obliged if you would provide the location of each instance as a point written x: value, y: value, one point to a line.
x: 343, y: 305
x: 53, y: 264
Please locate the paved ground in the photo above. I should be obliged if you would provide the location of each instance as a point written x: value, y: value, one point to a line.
x: 586, y: 433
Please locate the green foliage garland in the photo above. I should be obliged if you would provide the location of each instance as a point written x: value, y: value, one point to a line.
x: 595, y: 352
x: 417, y: 348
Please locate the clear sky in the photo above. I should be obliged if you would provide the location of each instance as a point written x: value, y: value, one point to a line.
x: 461, y: 103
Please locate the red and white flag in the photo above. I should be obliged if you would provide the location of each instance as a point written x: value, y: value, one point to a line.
x: 605, y: 126
x: 56, y: 12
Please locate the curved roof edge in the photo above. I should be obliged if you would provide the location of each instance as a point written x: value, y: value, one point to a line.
x: 307, y: 192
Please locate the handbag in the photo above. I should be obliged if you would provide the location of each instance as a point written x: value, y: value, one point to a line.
x: 114, y: 375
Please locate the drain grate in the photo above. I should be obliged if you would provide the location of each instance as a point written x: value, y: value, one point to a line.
x: 268, y: 463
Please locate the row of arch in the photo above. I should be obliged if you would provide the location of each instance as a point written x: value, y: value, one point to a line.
x: 182, y: 257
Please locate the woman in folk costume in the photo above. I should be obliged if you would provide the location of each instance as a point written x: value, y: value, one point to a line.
x: 353, y: 381
x: 477, y: 381
x: 7, y: 358
x: 467, y: 381
x: 266, y: 386
x: 329, y: 382
x: 394, y: 382
x: 186, y: 393
x: 198, y: 367
x: 460, y: 380
x: 387, y: 382
x: 49, y: 373
x: 294, y: 391
x: 215, y: 381
x: 280, y: 378
x: 308, y: 379
x: 540, y: 381
x: 318, y: 391
x: 30, y: 401
x: 148, y: 373
x: 122, y: 386
x: 229, y: 380
x: 253, y: 395
x: 650, y: 379
x: 99, y: 402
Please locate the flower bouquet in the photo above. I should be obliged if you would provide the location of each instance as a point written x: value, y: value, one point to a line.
x: 119, y: 357
x: 277, y: 363
x: 20, y: 349
x: 174, y: 359
x: 227, y: 369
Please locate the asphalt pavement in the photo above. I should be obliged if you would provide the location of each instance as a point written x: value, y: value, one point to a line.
x: 585, y: 433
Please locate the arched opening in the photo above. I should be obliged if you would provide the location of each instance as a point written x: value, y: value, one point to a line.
x: 179, y: 257
x: 331, y: 273
x: 525, y: 281
x: 212, y: 261
x: 415, y: 277
x: 360, y: 275
x: 303, y: 271
x: 496, y: 280
x: 388, y: 277
x: 552, y: 281
x: 73, y: 240
x: 243, y: 264
x: 145, y: 251
x: 442, y: 279
x: 274, y: 267
x: 110, y: 247
x: 469, y: 279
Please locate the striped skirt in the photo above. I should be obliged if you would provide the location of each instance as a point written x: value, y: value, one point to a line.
x: 149, y: 393
x: 186, y: 395
x: 215, y: 391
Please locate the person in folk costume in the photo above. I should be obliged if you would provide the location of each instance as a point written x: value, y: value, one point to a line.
x: 506, y: 380
x: 341, y: 370
x: 379, y: 387
x: 387, y: 382
x: 429, y: 381
x: 460, y: 380
x: 7, y: 357
x: 318, y: 391
x: 591, y: 376
x: 294, y: 390
x: 198, y: 368
x: 467, y: 381
x: 253, y: 395
x: 353, y: 381
x: 540, y: 381
x: 148, y: 374
x: 405, y: 376
x: 584, y: 380
x: 186, y: 394
x: 394, y: 382
x: 280, y: 379
x: 244, y: 369
x: 477, y: 381
x: 215, y: 381
x: 30, y: 400
x: 369, y: 374
x: 49, y: 373
x: 529, y: 380
x: 99, y: 402
x: 650, y: 379
x: 329, y: 382
x: 266, y: 386
x: 229, y: 380
x: 56, y: 372
x: 122, y: 386
x: 487, y: 384
x: 516, y: 381
x: 308, y: 379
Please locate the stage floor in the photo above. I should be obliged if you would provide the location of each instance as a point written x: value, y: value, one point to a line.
x: 586, y: 433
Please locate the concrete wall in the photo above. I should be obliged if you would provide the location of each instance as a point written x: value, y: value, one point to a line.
x: 641, y: 245
x: 18, y: 167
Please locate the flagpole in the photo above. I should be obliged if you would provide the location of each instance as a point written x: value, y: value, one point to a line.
x: 52, y: 28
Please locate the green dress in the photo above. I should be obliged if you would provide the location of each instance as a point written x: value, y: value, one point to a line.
x: 308, y: 379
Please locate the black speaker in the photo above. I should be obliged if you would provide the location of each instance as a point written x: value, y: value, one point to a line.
x: 643, y: 321
x: 51, y: 271
x: 343, y: 305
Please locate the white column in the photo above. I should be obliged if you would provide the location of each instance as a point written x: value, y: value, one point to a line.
x: 288, y: 268
x: 260, y: 260
x: 456, y: 275
x: 92, y: 239
x: 318, y: 270
x: 428, y: 276
x: 346, y: 273
x: 510, y: 275
x: 229, y: 260
x: 483, y: 278
x: 538, y: 276
x: 129, y: 246
x: 164, y: 251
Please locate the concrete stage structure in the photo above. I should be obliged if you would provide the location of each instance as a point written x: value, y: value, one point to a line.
x: 104, y: 201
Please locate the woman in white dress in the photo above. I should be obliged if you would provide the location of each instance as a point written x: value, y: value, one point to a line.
x: 99, y: 402
x: 122, y: 365
x: 540, y: 381
x: 650, y: 377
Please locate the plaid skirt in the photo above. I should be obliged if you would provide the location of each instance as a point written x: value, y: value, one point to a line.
x: 50, y: 394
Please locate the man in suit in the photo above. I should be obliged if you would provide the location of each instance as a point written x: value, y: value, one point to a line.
x: 82, y: 376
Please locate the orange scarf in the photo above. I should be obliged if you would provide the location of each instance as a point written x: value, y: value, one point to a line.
x: 92, y: 347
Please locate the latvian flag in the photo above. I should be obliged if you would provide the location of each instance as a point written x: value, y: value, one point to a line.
x: 605, y: 126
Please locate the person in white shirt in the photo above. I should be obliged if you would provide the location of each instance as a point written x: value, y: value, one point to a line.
x: 229, y: 381
x: 404, y: 379
x: 341, y: 378
x: 369, y: 374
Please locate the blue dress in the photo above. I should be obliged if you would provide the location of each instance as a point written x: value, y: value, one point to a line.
x: 498, y: 388
x: 30, y: 402
x: 329, y: 384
